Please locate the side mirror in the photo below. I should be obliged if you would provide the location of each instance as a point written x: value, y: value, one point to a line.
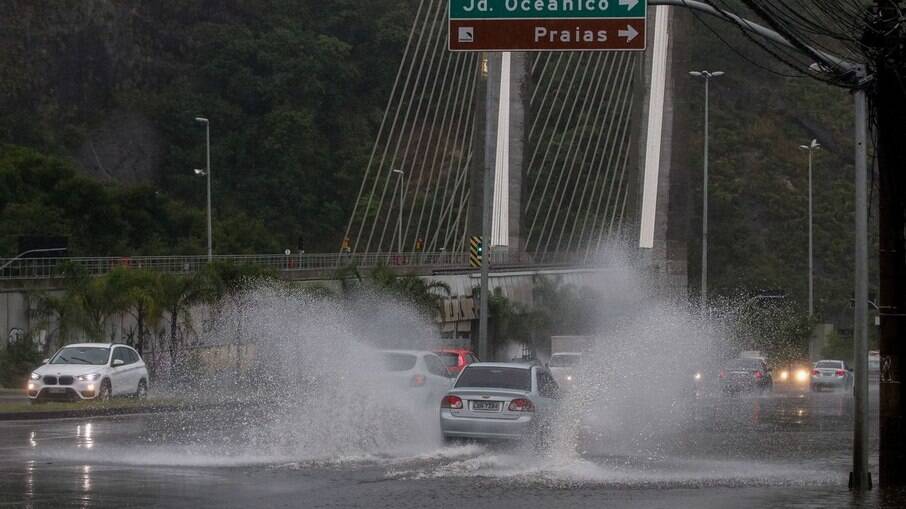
x: 117, y: 362
x: 45, y: 361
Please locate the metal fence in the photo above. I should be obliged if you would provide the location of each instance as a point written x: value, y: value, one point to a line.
x: 47, y: 268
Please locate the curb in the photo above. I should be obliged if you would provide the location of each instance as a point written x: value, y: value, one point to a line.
x: 90, y: 412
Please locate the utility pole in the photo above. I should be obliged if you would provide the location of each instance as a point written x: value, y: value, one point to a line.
x: 811, y: 147
x: 890, y: 109
x: 707, y: 75
x: 487, y: 191
x: 860, y: 478
x: 207, y: 172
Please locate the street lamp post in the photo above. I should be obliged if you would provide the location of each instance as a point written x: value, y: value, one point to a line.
x: 706, y: 75
x: 811, y: 147
x: 207, y: 172
x: 401, y: 174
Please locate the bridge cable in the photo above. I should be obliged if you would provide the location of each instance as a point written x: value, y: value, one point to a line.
x: 393, y: 89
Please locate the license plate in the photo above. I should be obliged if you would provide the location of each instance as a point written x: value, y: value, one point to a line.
x: 56, y: 391
x: 486, y: 405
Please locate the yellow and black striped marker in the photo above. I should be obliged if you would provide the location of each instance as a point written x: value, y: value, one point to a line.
x: 475, y: 251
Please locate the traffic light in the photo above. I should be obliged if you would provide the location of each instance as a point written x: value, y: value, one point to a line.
x: 475, y: 251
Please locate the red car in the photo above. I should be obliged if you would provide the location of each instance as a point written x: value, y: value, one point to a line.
x: 456, y: 358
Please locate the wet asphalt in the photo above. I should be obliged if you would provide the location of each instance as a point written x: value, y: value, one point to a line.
x: 786, y: 449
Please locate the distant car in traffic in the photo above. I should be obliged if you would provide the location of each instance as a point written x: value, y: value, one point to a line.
x: 495, y: 400
x: 746, y: 375
x: 564, y: 367
x: 793, y: 376
x: 419, y: 371
x: 96, y: 371
x: 831, y: 374
x: 456, y: 358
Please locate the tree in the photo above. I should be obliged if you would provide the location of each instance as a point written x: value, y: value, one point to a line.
x: 427, y: 296
x: 178, y: 293
x: 137, y: 293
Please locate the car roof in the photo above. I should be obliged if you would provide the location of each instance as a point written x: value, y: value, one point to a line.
x: 830, y: 360
x: 522, y: 365
x: 410, y: 352
x: 454, y: 350
x: 567, y: 353
x: 96, y: 345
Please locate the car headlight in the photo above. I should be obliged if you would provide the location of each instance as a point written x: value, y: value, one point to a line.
x: 569, y: 378
x: 802, y: 375
x: 784, y: 375
x: 698, y: 376
x: 35, y: 376
x: 88, y: 378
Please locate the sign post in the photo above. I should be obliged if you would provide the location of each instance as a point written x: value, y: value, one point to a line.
x: 547, y: 25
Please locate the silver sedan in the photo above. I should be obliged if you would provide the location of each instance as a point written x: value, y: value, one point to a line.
x: 493, y: 400
x: 832, y: 375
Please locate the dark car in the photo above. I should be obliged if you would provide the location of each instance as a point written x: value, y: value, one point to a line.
x: 746, y: 375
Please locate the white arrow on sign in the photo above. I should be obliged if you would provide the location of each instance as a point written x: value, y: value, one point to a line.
x: 630, y: 33
x: 629, y: 4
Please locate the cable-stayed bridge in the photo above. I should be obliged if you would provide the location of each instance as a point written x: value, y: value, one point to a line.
x: 580, y: 145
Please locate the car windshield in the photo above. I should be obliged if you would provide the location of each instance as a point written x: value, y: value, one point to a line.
x: 399, y: 361
x: 744, y: 364
x: 564, y: 360
x: 519, y: 379
x: 93, y: 355
x: 829, y: 365
x: 450, y: 359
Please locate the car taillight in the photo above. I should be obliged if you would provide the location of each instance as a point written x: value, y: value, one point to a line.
x: 758, y: 375
x: 723, y: 374
x: 417, y: 380
x: 521, y: 405
x: 815, y: 372
x: 840, y: 372
x: 450, y: 401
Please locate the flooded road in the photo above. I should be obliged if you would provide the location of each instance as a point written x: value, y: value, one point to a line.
x: 786, y: 449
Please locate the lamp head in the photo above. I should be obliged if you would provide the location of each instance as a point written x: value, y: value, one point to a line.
x: 201, y: 120
x: 200, y: 172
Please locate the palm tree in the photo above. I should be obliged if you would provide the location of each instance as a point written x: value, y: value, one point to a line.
x: 138, y: 291
x: 427, y: 296
x: 60, y: 310
x: 177, y: 294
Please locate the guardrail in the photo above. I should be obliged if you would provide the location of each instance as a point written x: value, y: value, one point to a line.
x: 48, y: 268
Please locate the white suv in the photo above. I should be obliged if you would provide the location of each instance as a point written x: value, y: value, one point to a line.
x: 89, y: 371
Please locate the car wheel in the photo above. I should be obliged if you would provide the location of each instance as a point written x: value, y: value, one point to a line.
x: 142, y: 391
x: 105, y: 391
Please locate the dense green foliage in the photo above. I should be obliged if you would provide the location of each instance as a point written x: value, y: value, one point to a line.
x: 159, y: 304
x: 293, y: 89
x: 16, y: 362
x: 758, y: 196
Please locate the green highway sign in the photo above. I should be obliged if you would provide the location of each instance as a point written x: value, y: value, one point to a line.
x: 547, y: 25
x: 546, y: 9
